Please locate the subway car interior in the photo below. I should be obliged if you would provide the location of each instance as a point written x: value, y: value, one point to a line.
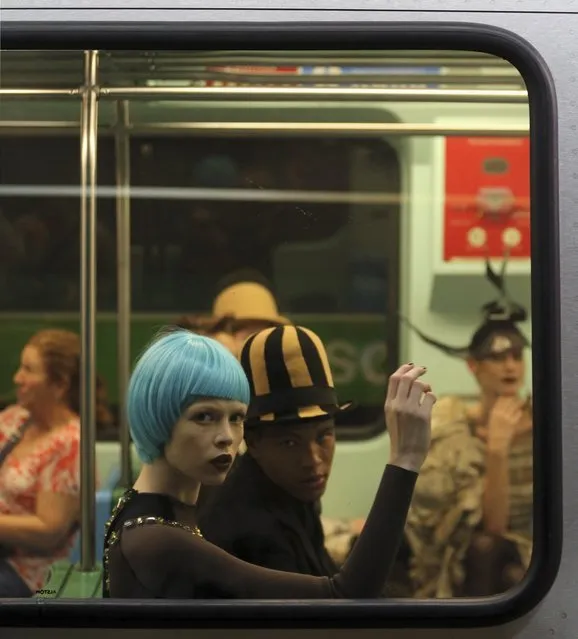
x: 370, y: 190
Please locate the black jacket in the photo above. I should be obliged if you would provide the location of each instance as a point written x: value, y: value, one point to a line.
x: 255, y: 520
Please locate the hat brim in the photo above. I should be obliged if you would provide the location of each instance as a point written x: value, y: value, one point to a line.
x: 273, y: 321
x: 306, y: 414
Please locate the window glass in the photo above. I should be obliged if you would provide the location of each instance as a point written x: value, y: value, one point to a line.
x: 367, y: 210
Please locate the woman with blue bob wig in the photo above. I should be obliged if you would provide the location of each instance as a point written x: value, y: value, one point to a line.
x: 187, y: 400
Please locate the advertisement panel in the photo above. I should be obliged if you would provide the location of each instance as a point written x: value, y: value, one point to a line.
x: 487, y: 197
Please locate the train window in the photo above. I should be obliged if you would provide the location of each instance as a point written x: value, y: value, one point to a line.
x: 382, y: 197
x: 304, y: 214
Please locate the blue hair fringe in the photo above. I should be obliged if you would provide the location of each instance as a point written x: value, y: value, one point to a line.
x: 177, y: 369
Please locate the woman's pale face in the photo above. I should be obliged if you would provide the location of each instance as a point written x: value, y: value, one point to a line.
x: 206, y: 439
x: 500, y: 375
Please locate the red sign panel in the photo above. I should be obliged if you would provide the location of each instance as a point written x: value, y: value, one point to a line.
x: 487, y: 198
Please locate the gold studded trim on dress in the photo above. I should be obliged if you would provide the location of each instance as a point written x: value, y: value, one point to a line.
x: 113, y: 537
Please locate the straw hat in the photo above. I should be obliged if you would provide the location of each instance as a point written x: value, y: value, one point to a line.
x: 248, y: 301
x: 289, y: 375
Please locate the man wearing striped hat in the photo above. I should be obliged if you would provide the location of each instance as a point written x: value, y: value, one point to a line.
x: 268, y: 510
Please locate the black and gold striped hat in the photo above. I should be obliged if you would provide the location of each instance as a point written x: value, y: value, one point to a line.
x: 289, y: 376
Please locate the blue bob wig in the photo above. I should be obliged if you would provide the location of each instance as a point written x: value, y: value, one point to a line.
x: 178, y: 368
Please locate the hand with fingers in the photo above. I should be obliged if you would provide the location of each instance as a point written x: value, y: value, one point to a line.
x: 408, y: 408
x: 506, y: 419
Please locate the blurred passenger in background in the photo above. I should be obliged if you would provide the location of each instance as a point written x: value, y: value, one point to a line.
x: 246, y: 297
x: 470, y: 524
x: 221, y: 329
x: 39, y: 462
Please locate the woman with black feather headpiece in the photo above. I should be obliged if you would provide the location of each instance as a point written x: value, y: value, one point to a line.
x: 470, y: 526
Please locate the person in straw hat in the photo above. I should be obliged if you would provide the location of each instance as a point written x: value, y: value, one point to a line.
x: 221, y: 329
x: 268, y: 510
x: 246, y: 297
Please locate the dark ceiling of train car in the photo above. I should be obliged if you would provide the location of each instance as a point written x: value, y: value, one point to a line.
x: 64, y: 69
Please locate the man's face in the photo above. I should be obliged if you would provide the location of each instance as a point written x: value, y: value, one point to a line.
x: 296, y: 457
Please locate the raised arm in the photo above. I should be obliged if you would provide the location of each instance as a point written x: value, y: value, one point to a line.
x: 170, y: 560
